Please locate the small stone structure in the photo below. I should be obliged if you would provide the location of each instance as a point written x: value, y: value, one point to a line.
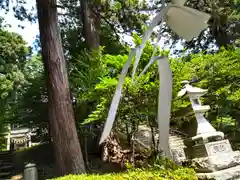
x: 208, y: 152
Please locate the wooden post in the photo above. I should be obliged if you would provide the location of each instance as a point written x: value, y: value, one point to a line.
x: 8, y: 141
x: 29, y: 141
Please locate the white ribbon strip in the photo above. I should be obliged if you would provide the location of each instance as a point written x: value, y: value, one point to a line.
x: 186, y: 22
x: 116, y: 98
x: 152, y: 60
x: 164, y: 104
x: 146, y: 36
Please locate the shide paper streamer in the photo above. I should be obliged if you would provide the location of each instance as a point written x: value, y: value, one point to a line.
x: 187, y: 23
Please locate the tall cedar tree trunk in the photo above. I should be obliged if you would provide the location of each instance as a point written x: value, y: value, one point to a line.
x: 61, y: 117
x: 91, y: 23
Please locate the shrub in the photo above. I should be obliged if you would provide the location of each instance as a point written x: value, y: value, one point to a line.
x: 137, y: 174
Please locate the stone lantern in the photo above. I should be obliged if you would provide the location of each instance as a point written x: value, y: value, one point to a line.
x: 208, y: 152
x: 204, y: 129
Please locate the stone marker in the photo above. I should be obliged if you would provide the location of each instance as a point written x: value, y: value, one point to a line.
x: 30, y: 172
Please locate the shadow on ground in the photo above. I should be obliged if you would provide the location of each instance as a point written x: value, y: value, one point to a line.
x: 43, y: 157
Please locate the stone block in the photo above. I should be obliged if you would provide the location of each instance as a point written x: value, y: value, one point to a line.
x: 217, y: 147
x: 216, y: 162
x: 199, y: 151
x: 226, y: 174
x: 208, y: 149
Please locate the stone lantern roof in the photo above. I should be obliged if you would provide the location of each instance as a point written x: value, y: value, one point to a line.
x: 191, y: 91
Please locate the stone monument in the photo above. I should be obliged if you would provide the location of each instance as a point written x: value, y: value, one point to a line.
x: 208, y: 152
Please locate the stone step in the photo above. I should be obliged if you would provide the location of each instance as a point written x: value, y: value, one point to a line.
x: 2, y: 161
x: 176, y: 143
x: 177, y: 147
x: 6, y: 153
x: 6, y: 158
x: 4, y: 174
x: 170, y: 137
x: 5, y: 164
x: 175, y: 139
x: 5, y: 167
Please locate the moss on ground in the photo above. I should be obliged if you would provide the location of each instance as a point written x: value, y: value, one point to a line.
x: 178, y: 174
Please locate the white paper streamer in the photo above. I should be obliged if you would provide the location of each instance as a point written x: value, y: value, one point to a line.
x: 147, y: 35
x: 116, y: 98
x: 187, y: 23
x: 152, y: 60
x: 164, y: 103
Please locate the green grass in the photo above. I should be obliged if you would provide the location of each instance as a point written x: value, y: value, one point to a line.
x: 178, y: 174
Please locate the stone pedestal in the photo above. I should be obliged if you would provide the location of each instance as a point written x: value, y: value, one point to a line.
x: 213, y: 158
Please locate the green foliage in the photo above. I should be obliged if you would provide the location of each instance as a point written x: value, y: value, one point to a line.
x: 178, y: 174
x: 220, y: 75
x: 85, y: 70
x: 98, y: 113
x: 33, y: 67
x: 160, y: 162
x: 3, y: 133
x: 30, y: 108
x: 138, y: 101
x: 113, y: 20
x: 13, y: 56
x: 12, y: 59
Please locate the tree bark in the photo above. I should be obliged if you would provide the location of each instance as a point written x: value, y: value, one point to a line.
x: 91, y: 23
x: 67, y: 148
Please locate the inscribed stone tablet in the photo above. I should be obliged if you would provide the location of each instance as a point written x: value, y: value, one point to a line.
x: 218, y: 147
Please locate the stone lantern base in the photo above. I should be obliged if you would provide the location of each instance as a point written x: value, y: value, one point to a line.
x: 212, y: 157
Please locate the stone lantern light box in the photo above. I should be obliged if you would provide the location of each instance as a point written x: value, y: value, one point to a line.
x: 204, y: 128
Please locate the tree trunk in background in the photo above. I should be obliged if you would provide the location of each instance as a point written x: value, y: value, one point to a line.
x: 67, y: 149
x: 91, y: 24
